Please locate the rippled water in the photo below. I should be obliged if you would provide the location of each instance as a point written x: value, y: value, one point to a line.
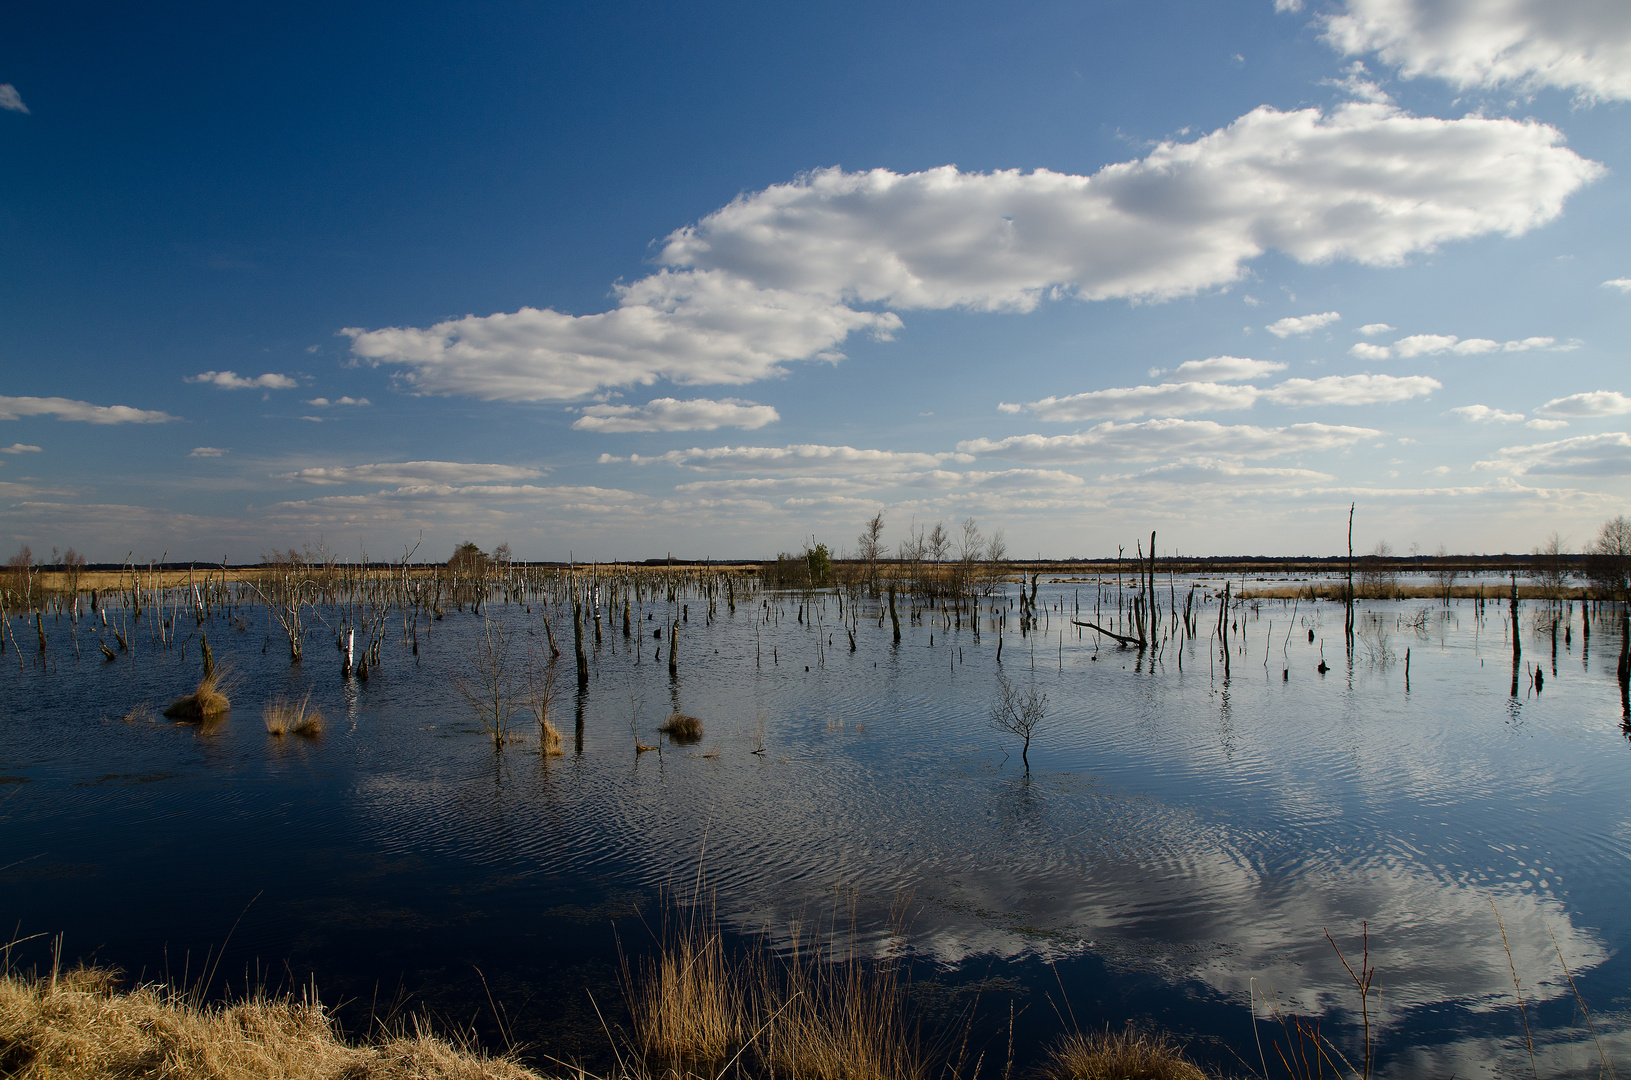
x: 1178, y: 849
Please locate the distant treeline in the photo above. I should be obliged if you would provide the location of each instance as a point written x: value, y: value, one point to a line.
x: 1184, y: 564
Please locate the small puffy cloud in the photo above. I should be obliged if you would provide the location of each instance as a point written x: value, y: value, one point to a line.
x: 325, y: 403
x: 1169, y: 438
x: 1351, y: 390
x: 789, y: 272
x: 231, y: 380
x: 1594, y: 403
x: 1357, y: 83
x: 1621, y: 283
x: 1539, y: 424
x: 10, y: 99
x: 1439, y: 344
x: 1437, y: 470
x: 1522, y: 45
x: 672, y: 414
x: 1434, y: 344
x: 1483, y: 414
x: 411, y: 473
x: 206, y: 451
x: 1364, y: 350
x: 1301, y: 324
x: 1225, y: 369
x: 1169, y: 399
x: 20, y: 448
x: 1371, y: 329
x: 12, y: 408
x: 1585, y: 455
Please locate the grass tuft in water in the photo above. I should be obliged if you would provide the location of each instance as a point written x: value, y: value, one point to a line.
x: 286, y: 717
x: 1128, y: 1054
x: 205, y: 703
x: 682, y: 728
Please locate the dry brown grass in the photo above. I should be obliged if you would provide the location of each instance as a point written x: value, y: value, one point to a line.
x: 140, y: 714
x: 77, y: 1025
x: 549, y: 739
x: 286, y: 717
x: 682, y: 728
x: 205, y: 703
x: 699, y: 1011
x: 1129, y: 1054
x: 688, y: 1005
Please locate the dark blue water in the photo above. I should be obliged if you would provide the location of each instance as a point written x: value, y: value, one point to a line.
x: 1176, y: 853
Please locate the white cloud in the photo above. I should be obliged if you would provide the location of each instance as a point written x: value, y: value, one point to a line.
x: 1177, y: 399
x: 1621, y: 283
x: 1538, y: 424
x: 671, y: 414
x: 1585, y: 455
x: 1351, y: 390
x: 1226, y: 369
x: 1214, y: 471
x: 231, y: 380
x: 11, y: 408
x: 1170, y: 399
x: 1357, y: 83
x: 1435, y: 344
x: 206, y: 451
x: 20, y: 448
x: 324, y: 403
x: 1483, y: 414
x: 1437, y: 470
x: 1301, y: 324
x: 1524, y: 45
x: 1438, y: 344
x: 10, y: 99
x: 1169, y: 438
x: 1371, y: 329
x: 410, y: 473
x: 776, y: 275
x: 1364, y: 182
x: 801, y: 456
x: 1594, y: 403
x: 689, y: 328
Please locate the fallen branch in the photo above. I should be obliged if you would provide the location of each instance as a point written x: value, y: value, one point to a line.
x: 1125, y: 640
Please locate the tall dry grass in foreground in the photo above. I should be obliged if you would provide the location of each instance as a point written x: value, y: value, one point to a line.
x: 76, y: 1025
x: 699, y: 1011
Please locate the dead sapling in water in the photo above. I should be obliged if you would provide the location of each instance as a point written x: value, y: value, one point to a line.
x: 542, y: 683
x: 491, y: 683
x: 1019, y: 712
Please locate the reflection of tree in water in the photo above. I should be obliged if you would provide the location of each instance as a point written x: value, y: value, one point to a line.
x: 1021, y: 805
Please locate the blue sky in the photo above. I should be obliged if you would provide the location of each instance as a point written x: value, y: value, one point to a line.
x: 713, y: 279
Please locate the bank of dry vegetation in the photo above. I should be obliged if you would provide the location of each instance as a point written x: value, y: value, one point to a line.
x: 80, y: 1025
